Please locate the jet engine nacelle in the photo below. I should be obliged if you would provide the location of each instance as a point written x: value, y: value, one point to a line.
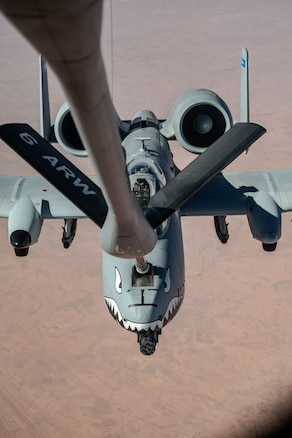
x: 198, y: 118
x: 24, y: 226
x: 66, y: 132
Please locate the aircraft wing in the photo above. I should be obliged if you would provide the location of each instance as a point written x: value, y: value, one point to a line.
x: 46, y: 199
x: 261, y: 196
x: 227, y: 194
x: 235, y: 193
x: 57, y: 169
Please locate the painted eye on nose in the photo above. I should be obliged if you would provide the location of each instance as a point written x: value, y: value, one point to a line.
x: 118, y: 281
x: 167, y: 281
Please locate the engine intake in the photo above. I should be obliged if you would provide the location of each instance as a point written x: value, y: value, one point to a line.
x: 66, y: 132
x: 198, y: 118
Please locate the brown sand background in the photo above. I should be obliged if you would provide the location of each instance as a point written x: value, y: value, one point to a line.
x: 223, y: 366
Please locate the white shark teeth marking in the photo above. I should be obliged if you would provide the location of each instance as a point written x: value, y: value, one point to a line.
x: 137, y: 327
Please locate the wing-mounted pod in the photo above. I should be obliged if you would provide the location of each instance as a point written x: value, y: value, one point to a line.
x: 264, y: 220
x: 198, y: 118
x: 24, y: 226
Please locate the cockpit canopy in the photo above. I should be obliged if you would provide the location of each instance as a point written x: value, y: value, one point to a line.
x: 146, y: 178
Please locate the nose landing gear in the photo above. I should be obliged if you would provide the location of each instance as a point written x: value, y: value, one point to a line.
x: 148, y: 340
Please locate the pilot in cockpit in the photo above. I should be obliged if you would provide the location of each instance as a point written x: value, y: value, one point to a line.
x: 141, y: 190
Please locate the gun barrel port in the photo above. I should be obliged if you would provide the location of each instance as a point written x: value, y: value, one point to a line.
x: 148, y: 340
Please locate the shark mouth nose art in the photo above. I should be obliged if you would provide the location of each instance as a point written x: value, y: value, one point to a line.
x: 136, y: 326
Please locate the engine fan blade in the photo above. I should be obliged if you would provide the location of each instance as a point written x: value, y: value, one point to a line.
x: 201, y: 170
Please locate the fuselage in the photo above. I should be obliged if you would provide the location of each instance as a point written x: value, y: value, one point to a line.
x: 144, y: 302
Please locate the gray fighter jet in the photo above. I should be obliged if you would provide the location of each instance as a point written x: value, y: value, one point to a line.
x: 139, y: 195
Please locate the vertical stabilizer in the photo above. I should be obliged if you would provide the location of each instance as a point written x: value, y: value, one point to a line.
x: 244, y: 87
x: 45, y: 118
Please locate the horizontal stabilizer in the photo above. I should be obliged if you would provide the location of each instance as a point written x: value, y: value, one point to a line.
x: 59, y: 171
x: 201, y: 170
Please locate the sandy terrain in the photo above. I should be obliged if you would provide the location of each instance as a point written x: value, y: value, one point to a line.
x: 223, y: 365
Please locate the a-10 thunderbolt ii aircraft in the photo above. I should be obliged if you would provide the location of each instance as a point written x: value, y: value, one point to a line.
x: 142, y: 194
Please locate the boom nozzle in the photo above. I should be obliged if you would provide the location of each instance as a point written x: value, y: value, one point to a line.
x: 142, y: 266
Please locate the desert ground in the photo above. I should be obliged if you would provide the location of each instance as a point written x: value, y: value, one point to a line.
x: 223, y: 366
